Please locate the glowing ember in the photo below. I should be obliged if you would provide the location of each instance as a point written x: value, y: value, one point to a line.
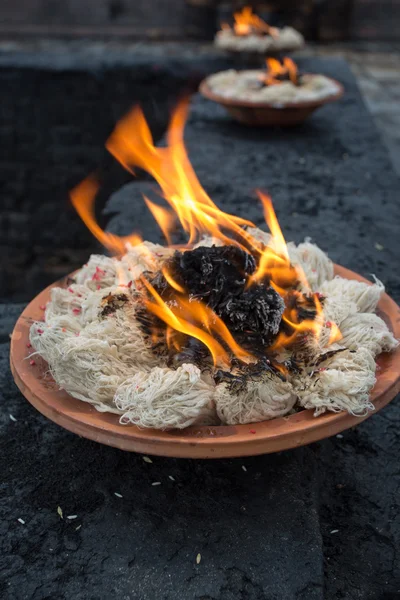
x: 241, y: 299
x: 246, y: 23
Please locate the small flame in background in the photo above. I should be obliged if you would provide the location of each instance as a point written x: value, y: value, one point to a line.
x: 131, y: 143
x: 246, y: 22
x: 278, y: 71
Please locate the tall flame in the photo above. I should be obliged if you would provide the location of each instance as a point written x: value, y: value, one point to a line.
x: 274, y: 262
x: 131, y: 143
x: 83, y: 198
x: 246, y: 22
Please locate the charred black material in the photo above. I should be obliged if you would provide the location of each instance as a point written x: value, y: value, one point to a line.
x: 237, y: 382
x: 208, y: 274
x: 218, y: 276
x: 323, y: 357
x: 304, y: 304
x: 112, y: 302
x: 194, y: 352
x: 255, y: 314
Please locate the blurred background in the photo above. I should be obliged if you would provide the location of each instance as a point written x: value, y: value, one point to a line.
x: 69, y: 70
x: 179, y: 19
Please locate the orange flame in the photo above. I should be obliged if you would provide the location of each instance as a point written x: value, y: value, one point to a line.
x: 335, y: 335
x: 246, y: 22
x: 274, y: 263
x: 297, y: 327
x: 132, y: 144
x: 83, y: 198
x: 195, y: 319
x: 276, y: 71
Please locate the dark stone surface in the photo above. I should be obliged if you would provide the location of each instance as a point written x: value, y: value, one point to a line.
x: 53, y: 125
x: 264, y: 533
x: 144, y: 545
x: 9, y: 314
x: 57, y: 110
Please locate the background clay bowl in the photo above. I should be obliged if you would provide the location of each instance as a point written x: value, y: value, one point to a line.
x: 263, y: 114
x: 195, y: 442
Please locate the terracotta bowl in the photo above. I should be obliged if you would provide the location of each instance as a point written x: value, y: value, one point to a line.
x: 195, y: 442
x: 264, y: 114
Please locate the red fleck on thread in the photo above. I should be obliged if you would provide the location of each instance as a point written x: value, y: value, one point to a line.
x: 328, y: 324
x: 63, y: 329
x: 40, y: 331
x: 314, y: 270
x: 323, y: 369
x: 98, y: 274
x: 98, y: 287
x: 130, y: 284
x: 29, y: 345
x: 42, y: 307
x: 79, y: 295
x: 32, y: 363
x: 77, y: 334
x: 70, y: 290
x: 76, y: 311
x: 253, y: 431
